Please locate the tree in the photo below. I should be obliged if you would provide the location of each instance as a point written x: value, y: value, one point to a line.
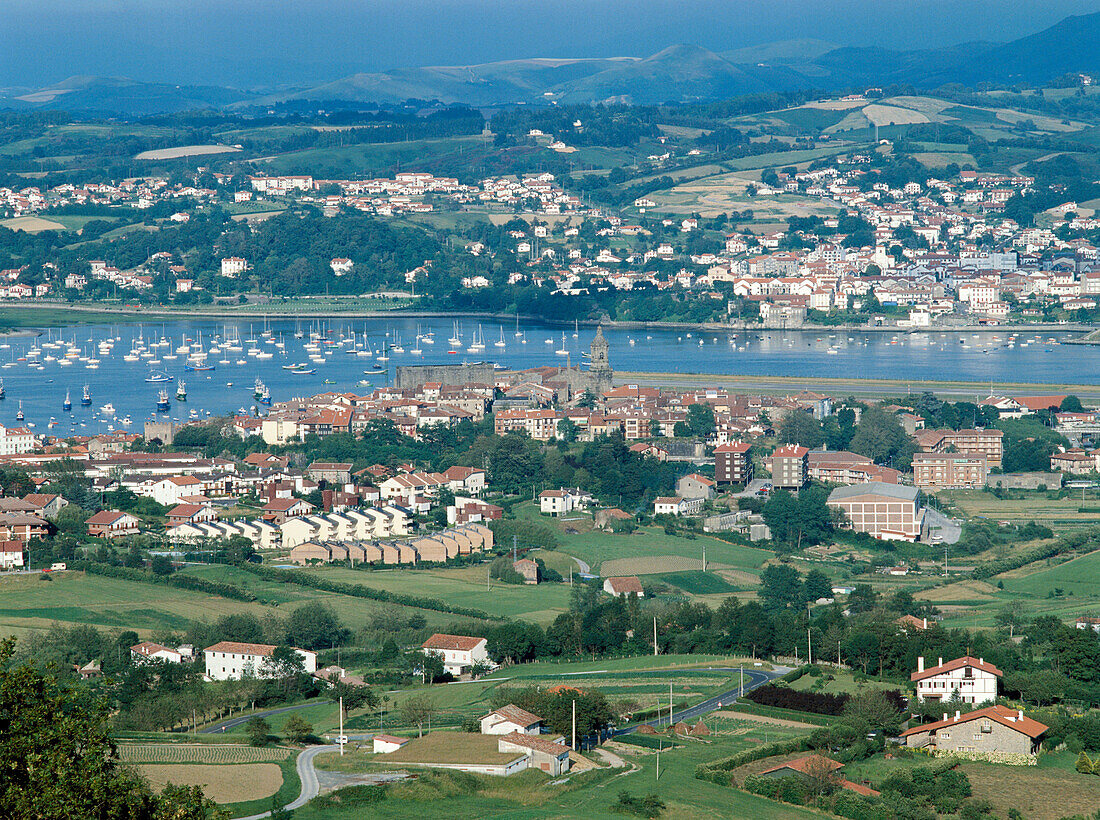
x: 258, y: 729
x: 801, y: 428
x: 1071, y: 404
x: 314, y: 626
x: 1084, y: 765
x: 781, y: 587
x: 873, y: 708
x: 567, y: 430
x: 817, y: 585
x: 417, y: 709
x: 881, y: 437
x: 587, y: 399
x: 1011, y: 615
x: 162, y: 565
x: 298, y: 729
x: 700, y: 420
x: 820, y: 776
x: 57, y: 758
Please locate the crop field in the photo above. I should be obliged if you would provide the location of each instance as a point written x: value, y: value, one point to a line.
x: 1044, y: 792
x: 199, y: 753
x: 377, y: 159
x: 222, y: 784
x: 714, y: 195
x: 1058, y: 514
x: 699, y: 583
x: 32, y: 224
x: 187, y: 151
x: 1079, y: 577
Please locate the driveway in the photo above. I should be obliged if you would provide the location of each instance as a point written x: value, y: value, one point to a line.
x: 240, y: 720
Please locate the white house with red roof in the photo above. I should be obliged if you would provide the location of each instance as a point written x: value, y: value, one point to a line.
x: 147, y: 652
x: 230, y: 660
x: 458, y: 652
x: 623, y: 585
x: 511, y: 718
x: 974, y: 679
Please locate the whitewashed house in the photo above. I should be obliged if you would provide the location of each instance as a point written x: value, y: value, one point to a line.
x: 973, y: 679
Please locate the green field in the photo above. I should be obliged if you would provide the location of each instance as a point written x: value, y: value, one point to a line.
x: 1079, y: 577
x: 649, y: 542
x: 376, y: 159
x: 1058, y: 514
x: 465, y: 586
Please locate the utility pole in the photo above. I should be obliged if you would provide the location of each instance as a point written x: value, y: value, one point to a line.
x: 809, y: 644
x: 670, y: 703
x: 704, y: 557
x: 341, y: 726
x: 655, y: 636
x: 513, y: 548
x: 741, y: 690
x: 574, y: 723
x: 659, y: 745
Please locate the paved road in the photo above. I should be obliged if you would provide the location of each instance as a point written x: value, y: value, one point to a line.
x: 753, y: 678
x: 233, y: 723
x: 307, y: 775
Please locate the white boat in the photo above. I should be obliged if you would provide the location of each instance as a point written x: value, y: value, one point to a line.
x: 108, y: 409
x: 563, y: 350
x: 500, y: 343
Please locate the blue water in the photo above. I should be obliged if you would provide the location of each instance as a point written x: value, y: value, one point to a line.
x: 41, y: 387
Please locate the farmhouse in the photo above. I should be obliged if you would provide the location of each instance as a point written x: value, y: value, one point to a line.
x: 547, y: 755
x: 694, y: 485
x: 812, y: 766
x: 994, y: 732
x: 623, y: 586
x: 229, y: 660
x: 458, y: 652
x: 528, y: 569
x: 974, y: 680
x: 147, y: 651
x: 677, y: 505
x: 510, y: 718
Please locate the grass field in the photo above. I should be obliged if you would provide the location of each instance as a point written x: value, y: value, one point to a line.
x: 709, y: 196
x: 651, y: 542
x: 377, y: 159
x: 466, y: 586
x: 1078, y: 576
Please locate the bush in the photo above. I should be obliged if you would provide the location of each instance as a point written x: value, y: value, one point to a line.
x: 649, y: 806
x: 819, y: 703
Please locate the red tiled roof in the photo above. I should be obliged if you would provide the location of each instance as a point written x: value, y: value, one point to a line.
x: 625, y: 584
x: 236, y: 648
x: 454, y: 642
x: 536, y: 743
x: 802, y: 764
x: 958, y: 663
x: 514, y: 714
x: 999, y: 714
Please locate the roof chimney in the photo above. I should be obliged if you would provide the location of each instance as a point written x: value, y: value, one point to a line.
x: 945, y: 717
x: 1019, y: 714
x: 920, y: 664
x: 939, y: 662
x: 958, y: 714
x: 925, y: 623
x: 981, y: 661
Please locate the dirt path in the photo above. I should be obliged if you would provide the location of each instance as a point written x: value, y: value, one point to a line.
x: 774, y: 721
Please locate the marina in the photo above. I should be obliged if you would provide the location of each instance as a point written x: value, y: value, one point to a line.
x: 219, y: 368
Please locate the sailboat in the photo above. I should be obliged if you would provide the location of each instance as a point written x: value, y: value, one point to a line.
x: 19, y: 415
x: 563, y: 351
x: 501, y: 342
x: 576, y: 329
x: 456, y: 338
x: 518, y: 331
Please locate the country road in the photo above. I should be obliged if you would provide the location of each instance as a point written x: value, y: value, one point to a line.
x: 308, y: 777
x: 240, y: 720
x: 753, y: 678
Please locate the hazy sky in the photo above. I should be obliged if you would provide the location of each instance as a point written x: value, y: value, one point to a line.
x: 251, y: 43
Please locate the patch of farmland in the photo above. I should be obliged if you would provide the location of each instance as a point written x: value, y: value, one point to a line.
x: 186, y: 151
x: 892, y: 115
x: 199, y: 753
x: 925, y: 105
x: 32, y: 224
x: 853, y: 122
x: 222, y: 784
x: 649, y: 565
x: 836, y: 105
x: 699, y: 583
x: 1041, y: 122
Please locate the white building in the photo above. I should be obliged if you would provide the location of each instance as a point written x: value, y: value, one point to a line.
x: 973, y: 679
x: 13, y: 554
x: 233, y: 266
x: 15, y: 440
x: 458, y: 652
x: 147, y: 651
x: 509, y: 719
x: 229, y: 660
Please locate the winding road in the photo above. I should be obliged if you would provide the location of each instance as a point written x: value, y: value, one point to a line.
x: 241, y: 720
x: 307, y: 774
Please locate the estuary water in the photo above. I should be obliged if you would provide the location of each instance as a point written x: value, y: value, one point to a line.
x: 126, y: 366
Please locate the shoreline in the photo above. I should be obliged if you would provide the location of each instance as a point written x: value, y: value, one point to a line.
x: 235, y: 312
x: 787, y: 385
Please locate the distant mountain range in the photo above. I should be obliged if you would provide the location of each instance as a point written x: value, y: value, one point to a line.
x: 681, y: 73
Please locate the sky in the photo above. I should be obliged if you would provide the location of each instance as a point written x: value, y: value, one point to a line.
x: 270, y: 43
